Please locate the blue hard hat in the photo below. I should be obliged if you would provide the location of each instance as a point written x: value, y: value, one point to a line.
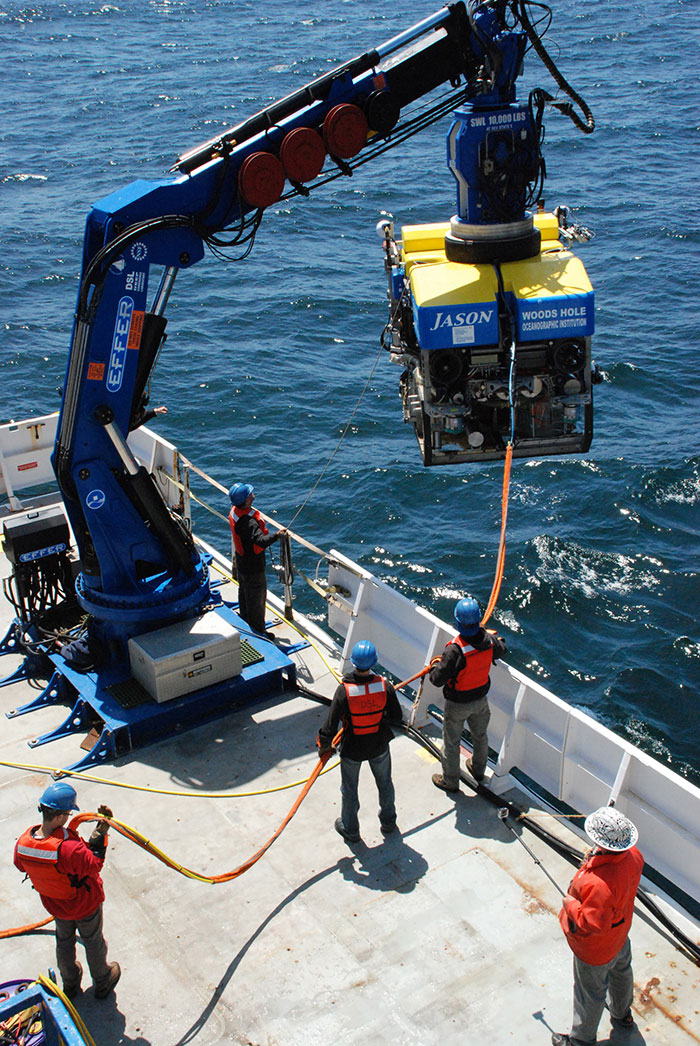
x: 364, y: 655
x: 59, y: 796
x: 467, y: 616
x: 239, y: 493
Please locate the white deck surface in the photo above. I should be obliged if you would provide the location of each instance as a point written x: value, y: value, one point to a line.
x: 445, y: 933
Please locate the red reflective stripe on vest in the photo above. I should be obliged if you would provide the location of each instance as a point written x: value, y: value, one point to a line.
x: 40, y: 857
x: 366, y: 702
x: 476, y: 671
x: 237, y: 514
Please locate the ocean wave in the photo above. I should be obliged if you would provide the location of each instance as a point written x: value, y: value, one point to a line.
x: 25, y: 178
x: 574, y: 567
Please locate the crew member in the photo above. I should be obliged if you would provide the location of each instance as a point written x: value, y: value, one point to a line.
x: 596, y: 915
x: 463, y: 673
x: 367, y: 706
x: 66, y: 874
x: 250, y: 539
x: 144, y: 413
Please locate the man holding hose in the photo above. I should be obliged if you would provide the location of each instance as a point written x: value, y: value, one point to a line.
x: 463, y: 673
x: 65, y: 872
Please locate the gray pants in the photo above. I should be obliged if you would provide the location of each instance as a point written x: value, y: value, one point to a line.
x: 476, y: 714
x: 90, y: 930
x: 613, y: 981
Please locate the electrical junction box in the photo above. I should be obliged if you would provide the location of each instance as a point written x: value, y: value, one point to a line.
x: 36, y: 535
x: 186, y: 656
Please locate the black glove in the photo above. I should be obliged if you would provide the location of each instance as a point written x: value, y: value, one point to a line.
x: 98, y: 840
x: 324, y: 748
x: 98, y: 844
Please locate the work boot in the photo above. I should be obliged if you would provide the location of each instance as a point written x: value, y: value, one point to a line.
x: 71, y: 990
x: 341, y: 830
x: 477, y: 777
x: 562, y: 1039
x: 103, y: 990
x: 440, y: 782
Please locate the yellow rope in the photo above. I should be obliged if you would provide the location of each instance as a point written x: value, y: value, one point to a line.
x: 54, y: 770
x: 52, y: 987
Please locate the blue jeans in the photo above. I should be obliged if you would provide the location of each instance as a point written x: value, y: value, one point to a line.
x: 349, y: 776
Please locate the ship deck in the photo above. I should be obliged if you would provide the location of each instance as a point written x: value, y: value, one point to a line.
x: 444, y: 932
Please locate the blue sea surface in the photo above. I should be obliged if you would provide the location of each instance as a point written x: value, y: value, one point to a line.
x: 266, y: 359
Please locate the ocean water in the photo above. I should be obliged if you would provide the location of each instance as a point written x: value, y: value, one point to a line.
x: 266, y: 359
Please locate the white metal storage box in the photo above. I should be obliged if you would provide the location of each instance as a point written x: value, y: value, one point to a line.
x: 187, y: 656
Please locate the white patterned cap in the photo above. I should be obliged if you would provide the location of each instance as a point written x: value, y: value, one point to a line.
x: 610, y: 829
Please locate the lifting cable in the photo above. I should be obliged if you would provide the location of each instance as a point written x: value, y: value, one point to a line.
x: 340, y: 440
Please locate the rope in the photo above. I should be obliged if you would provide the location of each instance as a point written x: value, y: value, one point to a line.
x: 56, y: 771
x: 52, y: 987
x: 136, y: 837
x: 342, y: 437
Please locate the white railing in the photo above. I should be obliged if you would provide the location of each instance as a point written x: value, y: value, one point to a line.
x: 564, y: 750
x: 25, y: 456
x: 25, y: 460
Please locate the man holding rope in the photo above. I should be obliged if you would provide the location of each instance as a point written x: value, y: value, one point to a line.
x: 65, y: 872
x: 596, y: 916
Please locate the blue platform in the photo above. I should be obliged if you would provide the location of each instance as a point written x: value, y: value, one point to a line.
x: 125, y: 717
x: 57, y: 1025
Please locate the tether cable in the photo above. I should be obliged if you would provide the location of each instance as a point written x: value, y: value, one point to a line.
x: 501, y: 557
x: 339, y: 443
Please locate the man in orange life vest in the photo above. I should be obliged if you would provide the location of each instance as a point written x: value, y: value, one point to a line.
x: 66, y: 874
x: 463, y: 672
x: 367, y: 705
x: 250, y: 539
x: 595, y: 916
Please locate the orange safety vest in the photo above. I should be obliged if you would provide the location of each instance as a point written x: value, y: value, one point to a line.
x: 476, y: 671
x: 40, y: 858
x: 235, y: 515
x: 366, y: 702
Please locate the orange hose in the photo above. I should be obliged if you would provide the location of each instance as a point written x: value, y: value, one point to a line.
x: 19, y: 930
x: 501, y: 558
x: 225, y: 877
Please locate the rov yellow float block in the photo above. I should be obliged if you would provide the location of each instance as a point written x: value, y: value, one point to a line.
x: 551, y: 296
x: 453, y: 303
